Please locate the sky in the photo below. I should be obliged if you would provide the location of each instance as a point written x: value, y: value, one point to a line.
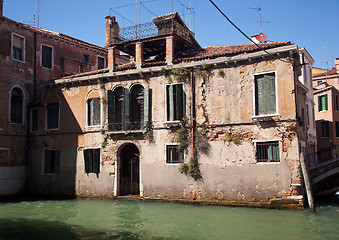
x: 312, y: 24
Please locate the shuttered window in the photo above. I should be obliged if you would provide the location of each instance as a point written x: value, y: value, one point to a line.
x: 336, y: 128
x: 325, y: 129
x: 265, y: 94
x: 173, y: 155
x: 52, y: 115
x: 101, y: 63
x: 336, y: 106
x: 175, y: 102
x: 34, y: 119
x: 93, y: 111
x: 322, y: 103
x: 268, y: 151
x: 17, y: 98
x: 18, y: 48
x: 52, y: 161
x: 47, y: 54
x: 92, y: 160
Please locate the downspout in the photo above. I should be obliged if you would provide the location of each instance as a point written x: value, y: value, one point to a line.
x: 34, y: 69
x: 192, y: 114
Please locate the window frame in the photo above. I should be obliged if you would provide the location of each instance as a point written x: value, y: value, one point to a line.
x: 87, y: 109
x: 52, y: 56
x: 56, y: 161
x: 46, y: 114
x: 8, y: 154
x: 336, y: 103
x: 166, y: 154
x: 10, y: 105
x: 325, y: 129
x: 85, y: 58
x: 255, y: 115
x: 278, y: 141
x: 31, y: 120
x: 104, y: 66
x: 23, y: 47
x: 326, y: 103
x: 91, y: 166
x: 167, y: 114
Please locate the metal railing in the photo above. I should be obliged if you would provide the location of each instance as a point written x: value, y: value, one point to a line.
x: 128, y: 126
x: 321, y: 156
x: 151, y: 29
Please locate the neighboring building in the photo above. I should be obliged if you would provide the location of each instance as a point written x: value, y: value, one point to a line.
x: 331, y: 77
x: 233, y: 118
x: 29, y: 57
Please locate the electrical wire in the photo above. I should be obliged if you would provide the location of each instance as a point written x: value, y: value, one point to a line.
x: 149, y: 10
x: 229, y: 20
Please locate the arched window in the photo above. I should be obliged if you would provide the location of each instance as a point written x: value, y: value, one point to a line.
x: 52, y: 115
x: 16, y: 105
x: 137, y: 107
x: 93, y: 108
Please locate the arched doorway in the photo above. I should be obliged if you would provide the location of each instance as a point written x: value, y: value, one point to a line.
x: 129, y: 170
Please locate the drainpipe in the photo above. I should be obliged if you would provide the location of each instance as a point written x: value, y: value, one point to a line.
x: 34, y: 69
x: 192, y: 113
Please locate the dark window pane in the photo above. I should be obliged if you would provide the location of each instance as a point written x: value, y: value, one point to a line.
x: 46, y: 57
x: 101, y: 63
x: 16, y: 105
x: 93, y: 108
x: 172, y: 154
x: 85, y: 58
x: 35, y: 120
x: 268, y: 152
x: 52, y: 161
x: 52, y: 115
x: 92, y: 160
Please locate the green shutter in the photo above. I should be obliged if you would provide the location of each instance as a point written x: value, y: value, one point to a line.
x: 170, y: 103
x: 265, y: 94
x: 146, y: 106
x: 179, y: 102
x: 326, y: 102
x: 56, y: 161
x: 111, y: 106
x: 87, y: 160
x: 126, y: 105
x: 96, y: 160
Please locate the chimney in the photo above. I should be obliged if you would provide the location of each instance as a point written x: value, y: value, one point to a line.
x: 112, y: 30
x: 337, y: 64
x: 112, y: 36
x: 1, y: 7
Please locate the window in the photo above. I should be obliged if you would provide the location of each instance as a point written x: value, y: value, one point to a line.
x: 307, y: 115
x: 47, y: 57
x: 336, y: 106
x: 313, y: 117
x: 325, y: 129
x: 93, y: 108
x: 173, y: 155
x: 175, y: 102
x: 34, y: 119
x: 18, y: 47
x: 336, y: 128
x: 52, y: 161
x: 303, y: 117
x: 16, y: 105
x: 52, y: 116
x: 268, y: 152
x: 265, y: 94
x: 322, y: 103
x: 319, y: 82
x: 101, y: 63
x: 4, y: 157
x: 85, y: 58
x: 92, y: 160
x: 128, y: 110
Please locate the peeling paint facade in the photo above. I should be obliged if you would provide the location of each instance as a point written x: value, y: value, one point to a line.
x: 118, y: 132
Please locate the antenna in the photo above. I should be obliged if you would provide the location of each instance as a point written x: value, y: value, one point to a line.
x: 31, y: 21
x: 39, y: 3
x: 261, y: 21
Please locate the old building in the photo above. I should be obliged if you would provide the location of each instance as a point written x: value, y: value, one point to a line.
x: 29, y: 57
x: 178, y: 121
x: 326, y: 104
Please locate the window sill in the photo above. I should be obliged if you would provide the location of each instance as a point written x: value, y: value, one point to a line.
x: 52, y: 129
x: 265, y: 118
x: 17, y: 60
x: 268, y: 163
x: 176, y: 123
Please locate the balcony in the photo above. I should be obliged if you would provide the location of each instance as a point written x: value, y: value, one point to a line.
x: 129, y: 127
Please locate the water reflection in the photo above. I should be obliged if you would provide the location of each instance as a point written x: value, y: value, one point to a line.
x: 105, y: 219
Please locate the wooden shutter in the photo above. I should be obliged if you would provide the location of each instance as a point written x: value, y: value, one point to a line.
x: 126, y: 105
x: 179, y: 102
x: 326, y: 102
x: 146, y: 105
x: 47, y: 162
x: 111, y: 106
x: 52, y: 115
x: 170, y: 103
x: 87, y: 160
x: 96, y: 160
x: 265, y: 94
x: 56, y: 161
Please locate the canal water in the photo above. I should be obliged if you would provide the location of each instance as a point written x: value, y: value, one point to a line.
x: 113, y: 219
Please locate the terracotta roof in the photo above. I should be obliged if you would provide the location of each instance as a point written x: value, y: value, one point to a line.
x: 104, y: 70
x: 56, y: 34
x: 325, y: 72
x: 220, y: 51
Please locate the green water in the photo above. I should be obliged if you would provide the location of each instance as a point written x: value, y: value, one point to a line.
x: 107, y: 219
